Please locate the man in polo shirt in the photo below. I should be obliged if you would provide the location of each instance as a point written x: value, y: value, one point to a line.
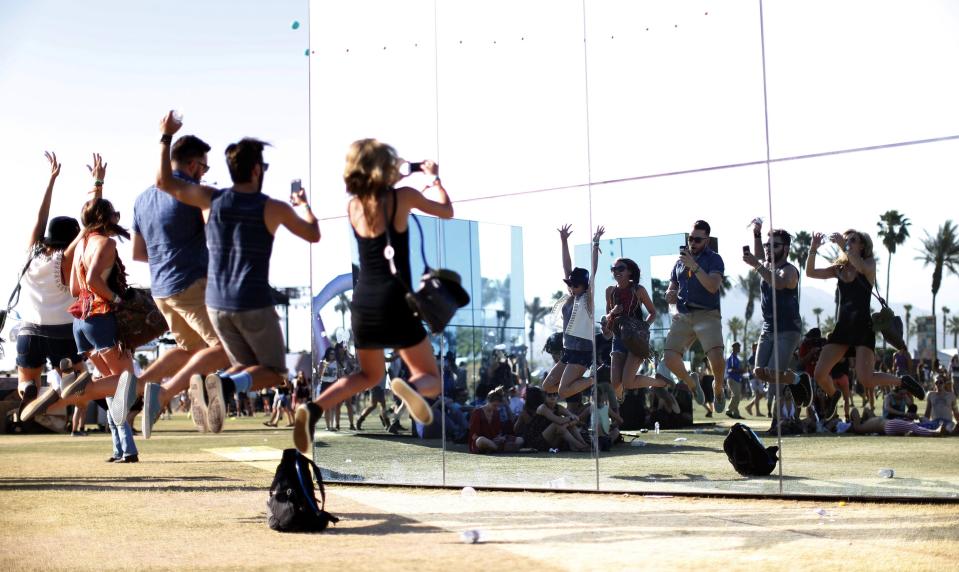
x: 170, y: 236
x: 734, y: 374
x: 694, y: 287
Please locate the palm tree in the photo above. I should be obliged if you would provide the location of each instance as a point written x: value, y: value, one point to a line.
x: 894, y: 230
x: 942, y: 252
x: 799, y: 253
x: 817, y: 311
x: 828, y: 325
x: 735, y: 325
x: 954, y: 328
x: 908, y: 308
x: 945, y: 320
x: 536, y: 313
x: 749, y: 284
x: 342, y: 306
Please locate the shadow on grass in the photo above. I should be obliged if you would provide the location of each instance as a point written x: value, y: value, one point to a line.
x: 115, y: 484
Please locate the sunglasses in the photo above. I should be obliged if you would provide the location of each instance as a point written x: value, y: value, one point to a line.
x: 775, y: 245
x: 206, y: 167
x: 696, y: 239
x: 266, y: 166
x: 618, y: 268
x: 552, y: 395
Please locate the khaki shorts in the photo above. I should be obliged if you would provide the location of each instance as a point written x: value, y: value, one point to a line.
x: 252, y: 337
x: 185, y: 313
x: 705, y: 325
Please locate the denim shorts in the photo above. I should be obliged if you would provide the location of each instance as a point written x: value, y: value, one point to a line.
x: 577, y: 357
x: 96, y: 333
x: 33, y: 351
x: 618, y: 346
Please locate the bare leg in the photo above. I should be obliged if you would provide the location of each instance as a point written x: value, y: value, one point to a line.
x: 165, y: 366
x: 616, y: 362
x: 572, y: 382
x: 641, y: 381
x: 865, y: 360
x: 371, y: 372
x: 551, y: 383
x: 485, y: 445
x: 831, y: 355
x: 202, y: 362
x: 674, y: 361
x: 424, y: 372
x: 718, y: 365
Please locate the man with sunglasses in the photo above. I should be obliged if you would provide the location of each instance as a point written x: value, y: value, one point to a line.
x: 170, y: 236
x: 241, y: 222
x: 777, y: 344
x: 694, y: 287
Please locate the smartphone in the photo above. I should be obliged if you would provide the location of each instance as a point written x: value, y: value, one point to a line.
x: 682, y: 249
x: 296, y: 185
x: 416, y: 167
x: 746, y: 251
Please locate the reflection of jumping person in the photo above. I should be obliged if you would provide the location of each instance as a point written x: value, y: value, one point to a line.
x: 855, y: 269
x: 626, y: 298
x: 779, y: 337
x: 381, y: 317
x: 694, y: 287
x: 566, y: 377
x: 241, y: 223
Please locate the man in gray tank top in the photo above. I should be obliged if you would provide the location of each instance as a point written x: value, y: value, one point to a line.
x: 240, y: 225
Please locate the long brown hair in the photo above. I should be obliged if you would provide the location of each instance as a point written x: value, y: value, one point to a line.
x: 371, y: 168
x: 97, y: 217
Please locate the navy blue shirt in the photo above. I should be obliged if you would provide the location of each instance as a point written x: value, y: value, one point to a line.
x: 240, y: 248
x: 174, y: 237
x: 787, y: 307
x: 692, y: 294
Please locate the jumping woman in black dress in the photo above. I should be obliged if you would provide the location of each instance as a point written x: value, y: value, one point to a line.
x: 855, y: 268
x: 381, y: 317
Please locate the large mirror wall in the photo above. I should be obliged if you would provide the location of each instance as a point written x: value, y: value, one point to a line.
x: 666, y: 114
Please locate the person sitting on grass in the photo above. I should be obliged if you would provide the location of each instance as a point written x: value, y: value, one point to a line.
x: 486, y: 431
x: 941, y: 405
x: 867, y: 425
x: 896, y: 405
x: 550, y: 425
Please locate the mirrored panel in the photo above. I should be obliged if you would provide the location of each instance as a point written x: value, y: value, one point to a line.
x: 669, y: 441
x: 864, y: 449
x: 863, y: 131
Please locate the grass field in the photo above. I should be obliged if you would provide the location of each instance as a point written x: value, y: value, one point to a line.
x: 197, y: 501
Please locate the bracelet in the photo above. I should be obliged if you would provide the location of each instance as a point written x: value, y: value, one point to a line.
x: 166, y: 138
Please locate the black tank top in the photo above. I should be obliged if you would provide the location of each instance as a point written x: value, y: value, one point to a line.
x: 374, y: 268
x: 854, y: 298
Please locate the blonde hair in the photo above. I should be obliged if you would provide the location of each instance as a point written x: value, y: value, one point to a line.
x: 866, y: 242
x: 371, y: 168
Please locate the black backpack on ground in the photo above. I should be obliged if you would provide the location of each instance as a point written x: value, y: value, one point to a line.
x: 746, y: 452
x: 292, y: 506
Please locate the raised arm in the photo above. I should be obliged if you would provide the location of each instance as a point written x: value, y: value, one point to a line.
x: 594, y: 256
x: 43, y: 214
x: 811, y: 270
x: 188, y: 193
x: 866, y: 267
x: 443, y: 207
x: 564, y: 232
x: 757, y: 236
x: 278, y: 213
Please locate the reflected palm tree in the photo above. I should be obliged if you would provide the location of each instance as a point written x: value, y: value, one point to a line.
x: 894, y: 230
x: 749, y: 284
x: 343, y: 305
x: 908, y: 308
x: 536, y: 312
x: 942, y: 253
x: 817, y: 312
x: 828, y: 325
x: 954, y: 328
x: 945, y: 320
x: 798, y: 254
x: 735, y: 325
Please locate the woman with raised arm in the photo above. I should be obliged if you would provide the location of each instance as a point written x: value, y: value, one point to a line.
x: 855, y: 270
x: 45, y: 332
x: 566, y: 377
x: 379, y: 214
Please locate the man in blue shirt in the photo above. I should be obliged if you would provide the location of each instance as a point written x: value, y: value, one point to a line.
x: 694, y: 288
x: 734, y: 375
x: 170, y: 236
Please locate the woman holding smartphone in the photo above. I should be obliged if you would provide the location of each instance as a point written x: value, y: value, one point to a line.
x: 855, y: 270
x: 379, y: 214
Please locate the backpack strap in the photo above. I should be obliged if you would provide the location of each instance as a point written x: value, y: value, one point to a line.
x: 319, y: 481
x: 15, y: 295
x: 874, y: 290
x: 299, y: 475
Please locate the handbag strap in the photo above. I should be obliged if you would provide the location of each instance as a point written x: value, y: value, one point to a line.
x: 874, y: 291
x: 389, y: 253
x: 15, y: 295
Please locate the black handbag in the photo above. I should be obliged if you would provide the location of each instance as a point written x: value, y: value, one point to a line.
x: 440, y: 293
x: 634, y: 333
x: 886, y: 322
